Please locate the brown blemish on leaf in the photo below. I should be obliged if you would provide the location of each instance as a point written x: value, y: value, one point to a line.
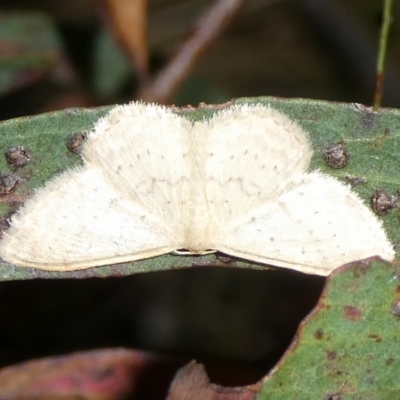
x: 331, y: 355
x: 191, y: 382
x: 8, y: 183
x: 396, y: 308
x: 323, y: 305
x: 334, y: 396
x: 336, y: 155
x: 318, y: 334
x: 352, y: 313
x: 18, y: 156
x: 15, y: 201
x: 355, y: 180
x: 4, y: 225
x: 76, y: 142
x: 203, y: 106
x: 368, y: 118
x: 389, y: 361
x: 382, y: 202
x: 223, y: 258
x: 377, y: 338
x: 334, y: 363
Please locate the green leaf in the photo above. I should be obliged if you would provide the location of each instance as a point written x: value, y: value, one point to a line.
x: 29, y: 49
x: 371, y: 137
x: 348, y: 348
x: 109, y: 77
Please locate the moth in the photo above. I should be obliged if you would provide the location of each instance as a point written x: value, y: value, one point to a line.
x: 154, y: 182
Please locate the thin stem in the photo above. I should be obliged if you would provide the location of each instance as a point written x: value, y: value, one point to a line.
x: 381, y: 60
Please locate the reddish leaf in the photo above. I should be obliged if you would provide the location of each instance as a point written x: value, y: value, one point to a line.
x: 95, y: 375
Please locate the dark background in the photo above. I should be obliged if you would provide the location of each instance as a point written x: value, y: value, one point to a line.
x: 301, y: 48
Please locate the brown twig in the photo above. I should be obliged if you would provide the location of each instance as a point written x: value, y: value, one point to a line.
x: 129, y: 24
x: 167, y: 82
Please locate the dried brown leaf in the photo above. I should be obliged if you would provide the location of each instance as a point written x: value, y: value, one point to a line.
x: 129, y: 23
x: 192, y: 383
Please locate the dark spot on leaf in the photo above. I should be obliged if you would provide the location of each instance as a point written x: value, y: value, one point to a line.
x: 76, y: 142
x: 8, y: 183
x: 355, y: 180
x: 334, y: 396
x: 336, y: 155
x: 368, y: 118
x: 382, y: 202
x: 398, y: 289
x: 389, y: 361
x: 4, y: 225
x: 18, y: 156
x: 331, y: 355
x: 318, y: 334
x: 223, y: 258
x: 71, y: 111
x: 352, y: 313
x: 377, y: 338
x: 396, y: 308
x: 323, y: 305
